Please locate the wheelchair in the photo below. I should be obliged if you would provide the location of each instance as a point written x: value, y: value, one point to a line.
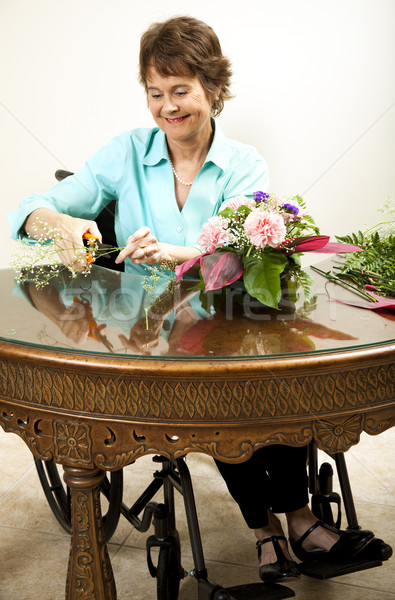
x: 174, y: 476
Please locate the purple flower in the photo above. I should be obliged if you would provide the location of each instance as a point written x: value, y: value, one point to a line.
x: 260, y: 196
x: 291, y: 208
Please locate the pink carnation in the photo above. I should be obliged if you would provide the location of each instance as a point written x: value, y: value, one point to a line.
x: 239, y: 201
x: 265, y: 228
x: 214, y: 234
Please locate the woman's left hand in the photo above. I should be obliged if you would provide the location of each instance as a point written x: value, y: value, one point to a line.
x: 141, y: 339
x: 143, y: 248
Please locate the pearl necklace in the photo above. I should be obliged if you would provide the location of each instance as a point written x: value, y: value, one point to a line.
x: 176, y: 175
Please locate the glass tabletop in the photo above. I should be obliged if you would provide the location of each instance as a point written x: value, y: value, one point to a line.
x: 126, y: 314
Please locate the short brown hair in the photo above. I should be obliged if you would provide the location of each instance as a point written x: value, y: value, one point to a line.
x: 184, y: 45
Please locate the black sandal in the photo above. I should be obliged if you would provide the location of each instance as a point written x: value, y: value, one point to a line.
x: 282, y: 568
x: 348, y: 545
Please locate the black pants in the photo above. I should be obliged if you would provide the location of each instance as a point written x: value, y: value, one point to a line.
x: 274, y: 477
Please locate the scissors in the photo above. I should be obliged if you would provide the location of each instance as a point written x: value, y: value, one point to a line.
x: 94, y: 330
x: 91, y: 241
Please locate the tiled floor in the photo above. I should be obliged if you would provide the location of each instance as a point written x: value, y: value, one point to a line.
x: 34, y: 548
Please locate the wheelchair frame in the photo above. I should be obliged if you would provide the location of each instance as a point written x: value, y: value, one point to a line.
x: 176, y: 476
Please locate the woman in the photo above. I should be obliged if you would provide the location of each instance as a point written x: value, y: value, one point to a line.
x: 151, y: 171
x: 168, y: 181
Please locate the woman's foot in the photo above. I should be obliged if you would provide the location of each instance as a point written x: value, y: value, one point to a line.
x: 274, y: 559
x: 273, y: 528
x: 320, y: 538
x: 313, y: 539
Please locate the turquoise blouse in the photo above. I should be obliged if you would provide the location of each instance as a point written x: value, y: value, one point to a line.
x: 134, y: 168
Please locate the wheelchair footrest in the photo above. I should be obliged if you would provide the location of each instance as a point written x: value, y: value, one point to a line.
x: 326, y: 570
x: 254, y: 591
x: 371, y: 556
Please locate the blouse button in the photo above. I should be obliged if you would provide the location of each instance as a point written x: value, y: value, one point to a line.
x: 179, y: 229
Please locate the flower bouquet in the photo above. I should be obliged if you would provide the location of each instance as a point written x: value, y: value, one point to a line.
x: 259, y: 239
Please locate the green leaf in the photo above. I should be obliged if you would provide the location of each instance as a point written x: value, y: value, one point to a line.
x: 200, y: 285
x: 262, y: 276
x: 227, y: 213
x: 376, y: 265
x: 243, y: 211
x: 292, y: 291
x: 299, y: 200
x: 296, y: 258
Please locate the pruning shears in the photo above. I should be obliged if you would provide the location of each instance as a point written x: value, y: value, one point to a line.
x: 94, y: 329
x: 92, y: 242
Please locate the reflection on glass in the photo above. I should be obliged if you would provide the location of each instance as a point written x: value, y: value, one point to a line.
x: 121, y: 315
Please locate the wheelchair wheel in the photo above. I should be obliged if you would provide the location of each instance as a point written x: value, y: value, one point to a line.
x: 57, y: 494
x: 167, y: 575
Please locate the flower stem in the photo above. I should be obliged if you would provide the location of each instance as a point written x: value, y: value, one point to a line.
x: 249, y: 250
x: 331, y: 277
x: 378, y: 226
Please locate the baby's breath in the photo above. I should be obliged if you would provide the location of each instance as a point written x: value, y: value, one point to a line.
x: 160, y: 277
x: 36, y: 259
x: 158, y: 274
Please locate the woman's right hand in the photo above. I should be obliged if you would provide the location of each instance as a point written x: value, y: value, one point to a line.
x: 69, y: 238
x: 74, y: 321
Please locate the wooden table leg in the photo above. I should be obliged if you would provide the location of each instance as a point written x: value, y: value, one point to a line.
x: 90, y: 575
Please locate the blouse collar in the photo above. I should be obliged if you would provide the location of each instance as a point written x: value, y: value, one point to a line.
x: 157, y: 148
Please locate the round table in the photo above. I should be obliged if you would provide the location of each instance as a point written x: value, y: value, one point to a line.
x: 97, y: 371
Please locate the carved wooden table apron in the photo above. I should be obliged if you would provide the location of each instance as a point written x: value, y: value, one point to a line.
x: 96, y: 411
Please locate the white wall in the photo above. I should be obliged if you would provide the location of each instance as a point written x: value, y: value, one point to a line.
x: 314, y: 84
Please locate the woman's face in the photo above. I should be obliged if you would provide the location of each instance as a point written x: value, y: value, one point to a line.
x: 179, y: 105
